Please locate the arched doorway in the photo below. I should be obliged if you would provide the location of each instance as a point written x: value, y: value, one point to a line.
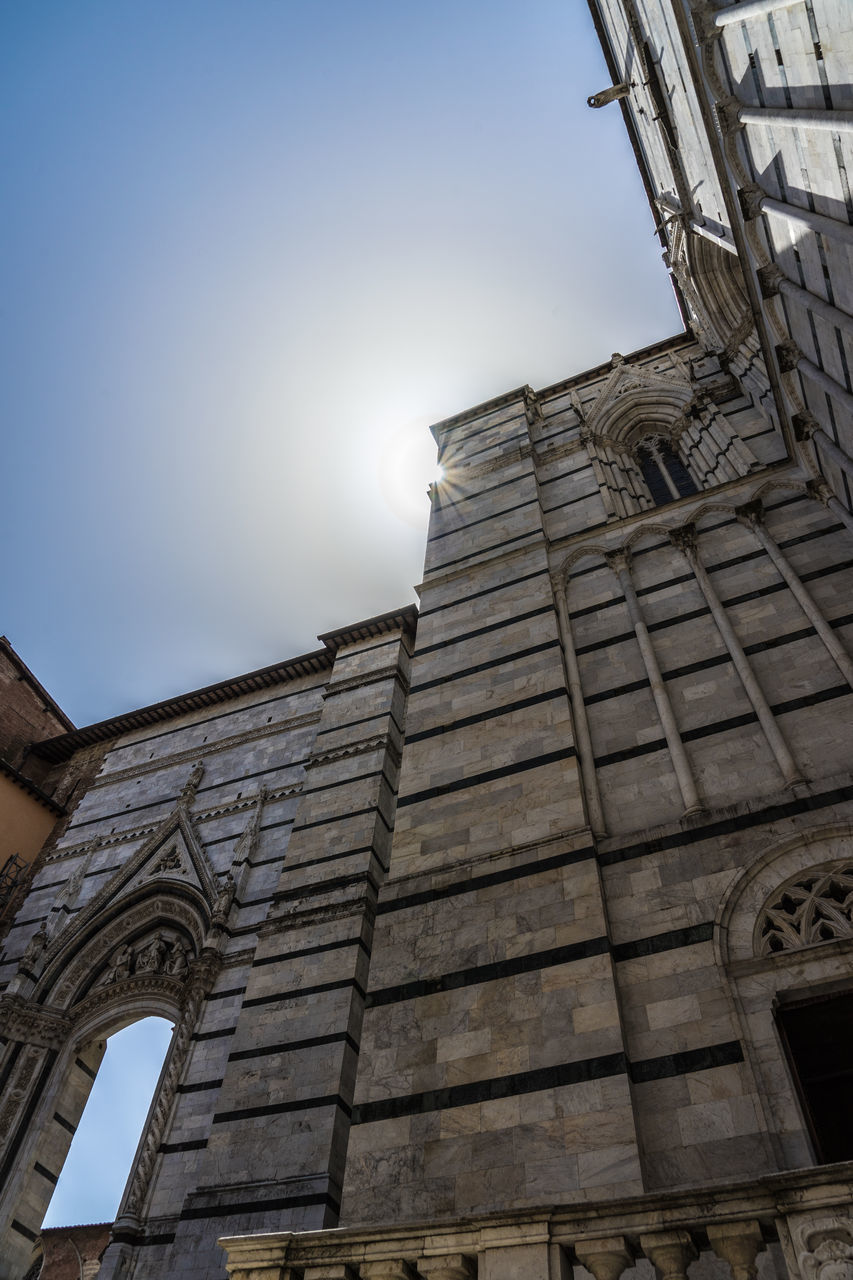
x: 99, y: 1159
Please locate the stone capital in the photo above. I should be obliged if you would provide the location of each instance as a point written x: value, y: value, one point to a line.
x: 684, y: 538
x: 788, y: 355
x: 769, y: 279
x: 706, y: 29
x: 750, y: 197
x: 804, y: 426
x: 618, y: 561
x: 750, y: 513
x: 728, y: 113
x: 820, y: 491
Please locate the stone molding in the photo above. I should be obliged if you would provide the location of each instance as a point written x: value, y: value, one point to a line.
x: 390, y: 672
x: 367, y: 746
x: 210, y: 749
x: 142, y: 833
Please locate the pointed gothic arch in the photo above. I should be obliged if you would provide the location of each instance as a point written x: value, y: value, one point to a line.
x: 148, y: 944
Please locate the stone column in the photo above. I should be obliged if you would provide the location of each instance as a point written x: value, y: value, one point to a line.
x: 452, y: 1266
x: 685, y: 539
x: 589, y: 780
x: 653, y: 448
x: 752, y: 515
x: 670, y: 1253
x: 606, y: 1258
x: 738, y: 1244
x: 619, y: 563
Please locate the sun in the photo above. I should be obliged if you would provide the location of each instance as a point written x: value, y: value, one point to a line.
x: 407, y: 467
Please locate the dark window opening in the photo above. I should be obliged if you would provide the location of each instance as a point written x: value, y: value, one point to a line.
x: 665, y: 474
x: 818, y: 1038
x: 655, y: 482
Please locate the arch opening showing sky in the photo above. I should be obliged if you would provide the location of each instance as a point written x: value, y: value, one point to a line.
x: 96, y: 1168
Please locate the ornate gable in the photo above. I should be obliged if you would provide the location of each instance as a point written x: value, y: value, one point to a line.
x: 632, y: 393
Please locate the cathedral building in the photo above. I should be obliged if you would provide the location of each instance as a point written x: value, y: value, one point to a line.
x: 512, y: 937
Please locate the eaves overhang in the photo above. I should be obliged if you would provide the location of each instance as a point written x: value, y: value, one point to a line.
x: 307, y: 664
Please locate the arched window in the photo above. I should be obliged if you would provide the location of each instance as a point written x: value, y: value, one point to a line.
x: 666, y: 476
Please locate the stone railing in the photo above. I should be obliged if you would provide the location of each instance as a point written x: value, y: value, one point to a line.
x: 808, y: 1212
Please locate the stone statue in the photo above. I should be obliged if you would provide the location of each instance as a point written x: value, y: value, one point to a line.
x: 34, y: 948
x: 224, y: 897
x: 150, y: 958
x: 176, y: 961
x: 120, y: 965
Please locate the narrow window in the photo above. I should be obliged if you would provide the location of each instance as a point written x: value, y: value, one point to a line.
x: 818, y: 1038
x: 666, y: 476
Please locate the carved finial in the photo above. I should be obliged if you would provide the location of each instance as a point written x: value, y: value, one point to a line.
x: 191, y: 785
x: 685, y: 539
x: 616, y: 359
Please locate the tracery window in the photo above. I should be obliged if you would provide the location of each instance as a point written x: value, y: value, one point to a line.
x: 814, y: 907
x: 667, y: 479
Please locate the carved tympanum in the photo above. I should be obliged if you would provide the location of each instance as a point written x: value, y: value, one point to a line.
x: 815, y: 906
x: 155, y: 954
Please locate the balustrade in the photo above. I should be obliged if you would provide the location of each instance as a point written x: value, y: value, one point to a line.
x: 808, y: 1211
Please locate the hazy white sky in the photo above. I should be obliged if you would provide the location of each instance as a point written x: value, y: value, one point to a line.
x: 250, y: 252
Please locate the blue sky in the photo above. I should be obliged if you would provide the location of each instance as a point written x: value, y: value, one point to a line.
x: 250, y: 251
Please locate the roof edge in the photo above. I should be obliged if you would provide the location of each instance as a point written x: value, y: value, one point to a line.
x: 15, y: 658
x: 64, y: 745
x: 26, y: 784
